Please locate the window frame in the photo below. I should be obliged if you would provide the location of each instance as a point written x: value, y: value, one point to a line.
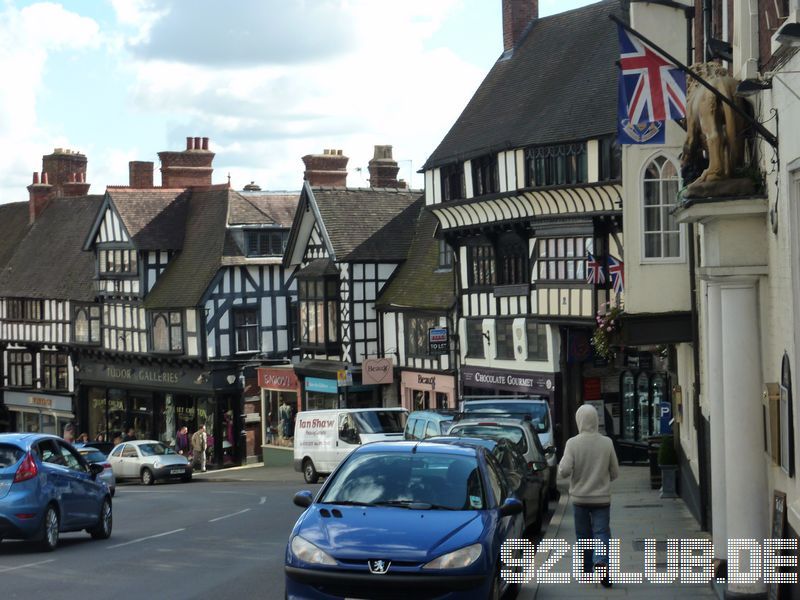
x: 481, y: 253
x: 541, y: 340
x: 418, y: 324
x: 247, y: 328
x: 94, y: 323
x: 328, y: 304
x: 548, y: 252
x: 451, y: 176
x: 506, y: 337
x: 517, y: 261
x: 17, y: 366
x: 549, y: 162
x: 643, y: 259
x: 54, y: 370
x: 128, y: 261
x: 609, y: 167
x: 173, y: 328
x: 485, y: 175
x: 256, y: 241
x: 471, y: 339
x: 24, y: 310
x: 446, y: 258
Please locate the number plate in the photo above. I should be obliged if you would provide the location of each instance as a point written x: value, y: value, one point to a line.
x: 176, y: 471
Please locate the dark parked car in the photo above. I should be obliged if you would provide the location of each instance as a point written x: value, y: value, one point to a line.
x: 47, y: 487
x: 527, y: 484
x: 405, y: 520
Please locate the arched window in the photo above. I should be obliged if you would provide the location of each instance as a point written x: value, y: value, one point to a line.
x: 160, y: 334
x: 661, y: 233
x: 81, y: 327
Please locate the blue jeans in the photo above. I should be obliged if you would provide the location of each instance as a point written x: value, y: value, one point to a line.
x: 592, y: 523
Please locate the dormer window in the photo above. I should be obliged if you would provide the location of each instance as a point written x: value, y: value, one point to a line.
x: 452, y: 182
x: 117, y: 262
x: 261, y: 242
x: 485, y: 178
x: 560, y: 164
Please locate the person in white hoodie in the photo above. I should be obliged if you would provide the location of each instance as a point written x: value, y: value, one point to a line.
x: 591, y: 465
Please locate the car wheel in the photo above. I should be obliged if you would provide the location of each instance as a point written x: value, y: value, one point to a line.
x: 51, y: 525
x: 147, y: 477
x: 309, y: 472
x: 102, y: 531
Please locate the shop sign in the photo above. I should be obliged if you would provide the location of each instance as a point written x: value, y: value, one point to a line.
x: 377, y: 371
x: 438, y: 341
x: 344, y: 378
x: 45, y: 401
x: 592, y: 389
x: 526, y: 382
x: 324, y: 386
x: 277, y: 379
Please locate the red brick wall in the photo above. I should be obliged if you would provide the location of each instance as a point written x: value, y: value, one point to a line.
x: 140, y: 174
x: 516, y: 16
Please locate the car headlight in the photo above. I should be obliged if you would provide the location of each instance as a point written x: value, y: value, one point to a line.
x: 457, y: 559
x: 308, y: 552
x: 157, y: 464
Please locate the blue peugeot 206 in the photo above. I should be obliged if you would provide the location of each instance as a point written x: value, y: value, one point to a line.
x: 405, y: 520
x: 47, y: 487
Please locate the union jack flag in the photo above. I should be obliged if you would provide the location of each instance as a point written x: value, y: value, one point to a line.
x: 594, y: 270
x: 617, y: 274
x: 654, y: 88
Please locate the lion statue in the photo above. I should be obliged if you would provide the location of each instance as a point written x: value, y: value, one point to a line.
x: 711, y: 126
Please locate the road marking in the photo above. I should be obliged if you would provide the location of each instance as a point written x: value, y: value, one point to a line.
x: 228, y: 516
x: 263, y: 500
x: 36, y: 564
x: 149, y: 537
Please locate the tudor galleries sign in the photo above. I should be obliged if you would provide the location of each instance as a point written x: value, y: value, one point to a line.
x: 278, y: 379
x: 377, y: 371
x: 526, y: 382
x: 438, y: 341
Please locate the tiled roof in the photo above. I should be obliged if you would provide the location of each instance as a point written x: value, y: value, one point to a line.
x: 319, y: 267
x: 367, y: 223
x: 559, y: 85
x: 189, y: 274
x: 275, y: 207
x: 154, y: 218
x: 418, y: 283
x: 50, y: 262
x: 13, y: 227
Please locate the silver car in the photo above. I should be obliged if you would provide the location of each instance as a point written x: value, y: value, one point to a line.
x: 148, y: 461
x: 93, y: 455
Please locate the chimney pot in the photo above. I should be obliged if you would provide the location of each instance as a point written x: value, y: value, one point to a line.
x: 189, y: 143
x: 327, y: 169
x: 197, y: 143
x: 44, y: 178
x: 35, y: 178
x: 205, y: 143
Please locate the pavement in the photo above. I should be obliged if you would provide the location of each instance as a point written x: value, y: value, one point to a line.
x: 637, y: 513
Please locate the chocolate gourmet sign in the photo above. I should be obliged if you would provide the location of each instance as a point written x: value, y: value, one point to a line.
x: 525, y: 382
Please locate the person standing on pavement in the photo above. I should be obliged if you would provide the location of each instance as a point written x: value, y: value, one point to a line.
x: 199, y: 446
x: 590, y: 463
x: 182, y: 441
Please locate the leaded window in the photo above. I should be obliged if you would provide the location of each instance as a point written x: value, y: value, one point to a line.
x: 86, y: 325
x: 245, y: 324
x: 318, y: 301
x: 536, y: 338
x: 445, y: 256
x: 18, y: 309
x: 563, y: 258
x: 416, y: 334
x: 560, y: 164
x: 167, y: 328
x: 661, y: 231
x: 475, y: 338
x: 266, y: 243
x: 485, y: 179
x: 20, y: 368
x: 117, y: 262
x: 504, y: 338
x: 610, y: 159
x: 512, y: 263
x: 452, y: 179
x: 55, y: 371
x: 481, y: 258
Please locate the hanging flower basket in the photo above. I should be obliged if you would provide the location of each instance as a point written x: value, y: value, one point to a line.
x: 608, y: 327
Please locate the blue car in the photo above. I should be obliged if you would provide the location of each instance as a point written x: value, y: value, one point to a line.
x: 405, y: 520
x: 47, y: 487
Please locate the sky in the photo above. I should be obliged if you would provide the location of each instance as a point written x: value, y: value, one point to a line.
x: 268, y: 81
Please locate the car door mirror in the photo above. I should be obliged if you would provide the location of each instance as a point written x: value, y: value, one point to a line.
x: 95, y: 469
x: 511, y: 506
x: 550, y: 451
x: 303, y: 499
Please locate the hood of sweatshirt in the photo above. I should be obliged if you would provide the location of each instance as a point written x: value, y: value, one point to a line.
x: 586, y: 418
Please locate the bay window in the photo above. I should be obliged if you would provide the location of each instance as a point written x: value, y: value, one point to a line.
x: 318, y: 301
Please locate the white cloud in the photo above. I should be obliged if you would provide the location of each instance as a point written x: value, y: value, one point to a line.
x: 27, y: 37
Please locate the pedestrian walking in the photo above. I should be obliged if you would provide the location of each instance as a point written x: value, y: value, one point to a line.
x: 591, y: 465
x: 130, y: 435
x: 199, y: 446
x: 69, y: 433
x: 182, y: 442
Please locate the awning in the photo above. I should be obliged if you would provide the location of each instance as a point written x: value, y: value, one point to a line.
x: 585, y: 200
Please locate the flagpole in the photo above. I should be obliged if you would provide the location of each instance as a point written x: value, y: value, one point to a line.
x: 763, y: 131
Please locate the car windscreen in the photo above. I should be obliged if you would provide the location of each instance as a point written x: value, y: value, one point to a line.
x: 512, y: 433
x: 154, y: 449
x: 380, y: 421
x: 93, y: 456
x: 536, y: 410
x: 9, y: 455
x: 423, y: 480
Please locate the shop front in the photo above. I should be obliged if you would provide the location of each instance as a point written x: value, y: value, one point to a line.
x: 427, y: 391
x: 32, y: 412
x: 156, y: 401
x: 280, y: 401
x: 332, y: 384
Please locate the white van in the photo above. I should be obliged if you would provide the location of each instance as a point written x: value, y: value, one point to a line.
x: 323, y: 438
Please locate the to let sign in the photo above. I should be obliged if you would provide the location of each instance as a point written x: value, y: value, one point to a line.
x: 438, y: 341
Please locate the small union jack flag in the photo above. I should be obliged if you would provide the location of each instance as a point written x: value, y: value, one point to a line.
x: 617, y: 274
x: 594, y: 270
x: 654, y: 88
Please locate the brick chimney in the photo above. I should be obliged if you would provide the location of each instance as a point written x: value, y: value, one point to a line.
x: 191, y: 167
x: 383, y: 169
x: 516, y: 16
x: 66, y: 172
x: 140, y: 174
x: 40, y: 192
x: 328, y: 169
